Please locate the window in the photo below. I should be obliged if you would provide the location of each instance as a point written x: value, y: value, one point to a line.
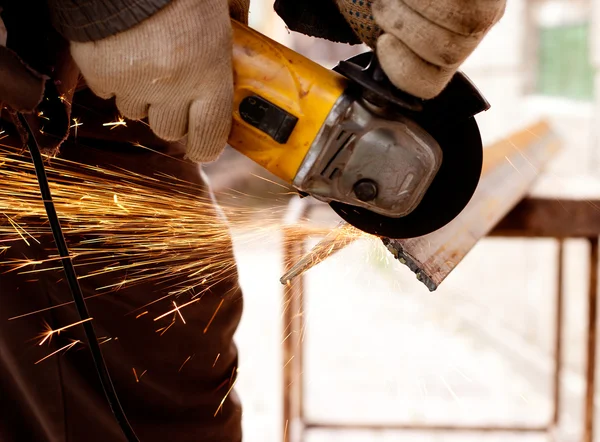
x: 564, y: 68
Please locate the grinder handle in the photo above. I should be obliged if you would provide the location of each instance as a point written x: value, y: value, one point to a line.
x: 281, y: 100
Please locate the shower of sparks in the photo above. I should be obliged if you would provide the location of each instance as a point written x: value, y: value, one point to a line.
x: 336, y: 240
x: 48, y: 334
x: 138, y: 228
x: 118, y: 204
x: 120, y: 122
x: 20, y: 229
x: 130, y: 228
x: 66, y: 348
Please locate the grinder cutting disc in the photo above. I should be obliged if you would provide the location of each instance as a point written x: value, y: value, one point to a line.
x: 449, y: 119
x: 449, y: 193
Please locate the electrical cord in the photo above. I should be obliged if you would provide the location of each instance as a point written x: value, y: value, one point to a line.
x: 71, y: 276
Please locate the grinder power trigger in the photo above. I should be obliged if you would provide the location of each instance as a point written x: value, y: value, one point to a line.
x: 387, y: 163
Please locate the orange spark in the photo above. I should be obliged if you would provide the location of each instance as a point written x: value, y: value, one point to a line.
x: 66, y: 348
x: 224, y: 398
x: 120, y: 122
x: 179, y: 312
x: 63, y: 99
x: 270, y: 181
x: 49, y: 333
x: 141, y: 314
x: 76, y: 124
x: 164, y: 329
x: 287, y: 336
x: 177, y: 309
x: 47, y: 308
x: 287, y: 363
x: 213, y: 316
x: 19, y: 227
x: 512, y: 164
x: 233, y: 372
x: 185, y: 362
x: 118, y: 204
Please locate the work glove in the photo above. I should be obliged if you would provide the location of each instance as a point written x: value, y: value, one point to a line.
x: 175, y: 68
x: 421, y: 43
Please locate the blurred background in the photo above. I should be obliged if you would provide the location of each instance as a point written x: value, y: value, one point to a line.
x: 479, y: 351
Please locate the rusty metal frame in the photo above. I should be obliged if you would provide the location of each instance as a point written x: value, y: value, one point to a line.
x: 528, y: 220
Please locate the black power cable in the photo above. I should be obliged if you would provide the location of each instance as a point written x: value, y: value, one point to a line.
x: 63, y: 250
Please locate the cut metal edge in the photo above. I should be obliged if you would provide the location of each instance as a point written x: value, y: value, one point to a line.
x: 405, y: 258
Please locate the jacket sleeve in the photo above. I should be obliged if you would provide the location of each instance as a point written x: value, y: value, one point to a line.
x: 90, y: 20
x: 316, y: 18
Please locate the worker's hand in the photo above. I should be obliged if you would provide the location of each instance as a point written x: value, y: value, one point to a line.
x: 421, y: 43
x: 174, y: 68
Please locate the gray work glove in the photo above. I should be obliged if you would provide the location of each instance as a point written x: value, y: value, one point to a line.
x: 174, y: 68
x: 422, y: 43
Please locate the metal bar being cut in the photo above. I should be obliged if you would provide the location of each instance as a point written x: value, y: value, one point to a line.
x: 510, y: 167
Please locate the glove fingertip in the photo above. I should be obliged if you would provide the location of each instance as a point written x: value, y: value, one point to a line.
x: 208, y: 133
x: 210, y: 120
x: 169, y: 122
x: 132, y: 109
x: 409, y: 72
x: 206, y: 148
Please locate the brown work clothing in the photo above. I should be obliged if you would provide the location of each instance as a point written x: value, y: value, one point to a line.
x: 60, y: 399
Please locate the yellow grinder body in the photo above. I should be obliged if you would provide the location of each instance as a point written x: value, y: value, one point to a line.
x: 285, y: 79
x: 387, y: 163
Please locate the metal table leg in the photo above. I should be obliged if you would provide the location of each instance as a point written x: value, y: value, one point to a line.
x: 558, y: 336
x: 588, y: 432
